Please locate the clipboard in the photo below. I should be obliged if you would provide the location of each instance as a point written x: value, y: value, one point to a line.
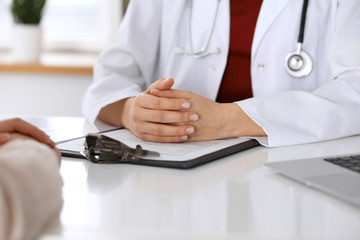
x: 114, y: 150
x: 200, y: 160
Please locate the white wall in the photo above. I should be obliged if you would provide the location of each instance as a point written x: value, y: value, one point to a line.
x: 42, y: 94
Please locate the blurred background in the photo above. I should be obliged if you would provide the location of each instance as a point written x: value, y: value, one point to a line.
x: 73, y: 32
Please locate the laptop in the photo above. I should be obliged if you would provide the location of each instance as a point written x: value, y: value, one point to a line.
x: 338, y: 176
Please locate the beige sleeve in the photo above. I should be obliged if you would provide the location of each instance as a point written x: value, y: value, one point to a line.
x: 30, y: 189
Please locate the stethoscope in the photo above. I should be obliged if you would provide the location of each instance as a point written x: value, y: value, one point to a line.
x: 203, y: 50
x: 298, y: 64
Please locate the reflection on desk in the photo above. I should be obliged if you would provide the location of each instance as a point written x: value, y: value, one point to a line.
x: 156, y: 199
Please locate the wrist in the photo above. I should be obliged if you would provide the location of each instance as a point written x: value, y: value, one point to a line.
x: 240, y: 124
x: 117, y: 113
x: 125, y: 113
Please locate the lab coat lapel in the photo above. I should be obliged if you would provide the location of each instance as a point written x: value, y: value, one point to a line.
x: 270, y: 9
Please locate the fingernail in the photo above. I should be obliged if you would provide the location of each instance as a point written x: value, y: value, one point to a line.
x: 184, y: 137
x: 189, y: 130
x: 51, y: 143
x: 154, y: 90
x: 185, y: 105
x: 194, y: 117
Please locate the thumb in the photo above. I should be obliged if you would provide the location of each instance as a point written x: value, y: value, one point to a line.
x: 161, y: 84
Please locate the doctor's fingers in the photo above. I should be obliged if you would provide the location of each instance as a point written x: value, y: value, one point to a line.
x: 156, y: 132
x: 161, y: 84
x: 162, y: 116
x: 172, y: 93
x: 154, y: 102
x: 23, y: 127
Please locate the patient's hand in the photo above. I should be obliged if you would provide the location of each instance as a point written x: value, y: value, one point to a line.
x: 17, y: 125
x: 17, y: 128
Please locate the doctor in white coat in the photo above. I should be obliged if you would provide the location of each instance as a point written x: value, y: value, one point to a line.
x: 151, y: 42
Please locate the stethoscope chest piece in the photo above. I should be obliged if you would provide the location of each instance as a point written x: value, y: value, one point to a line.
x: 298, y: 64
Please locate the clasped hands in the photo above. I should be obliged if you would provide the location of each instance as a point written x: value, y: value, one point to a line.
x: 162, y: 114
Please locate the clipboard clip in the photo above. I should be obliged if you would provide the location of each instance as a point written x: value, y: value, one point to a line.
x: 102, y: 149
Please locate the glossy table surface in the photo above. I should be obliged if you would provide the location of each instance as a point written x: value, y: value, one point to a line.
x: 235, y: 197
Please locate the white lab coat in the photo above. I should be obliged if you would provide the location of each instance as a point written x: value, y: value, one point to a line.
x: 325, y: 105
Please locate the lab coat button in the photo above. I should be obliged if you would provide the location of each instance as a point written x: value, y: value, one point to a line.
x: 213, y: 67
x: 261, y: 66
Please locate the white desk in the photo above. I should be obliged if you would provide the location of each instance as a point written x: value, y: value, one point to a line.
x: 232, y: 198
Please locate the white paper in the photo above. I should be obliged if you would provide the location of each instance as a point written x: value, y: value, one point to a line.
x: 168, y: 151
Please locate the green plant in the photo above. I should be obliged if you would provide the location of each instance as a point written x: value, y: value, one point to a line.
x: 27, y: 11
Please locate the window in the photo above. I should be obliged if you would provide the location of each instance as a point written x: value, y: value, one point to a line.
x: 88, y: 25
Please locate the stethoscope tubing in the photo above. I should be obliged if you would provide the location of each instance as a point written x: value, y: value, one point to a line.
x: 302, y: 21
x: 298, y: 64
x: 202, y: 52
